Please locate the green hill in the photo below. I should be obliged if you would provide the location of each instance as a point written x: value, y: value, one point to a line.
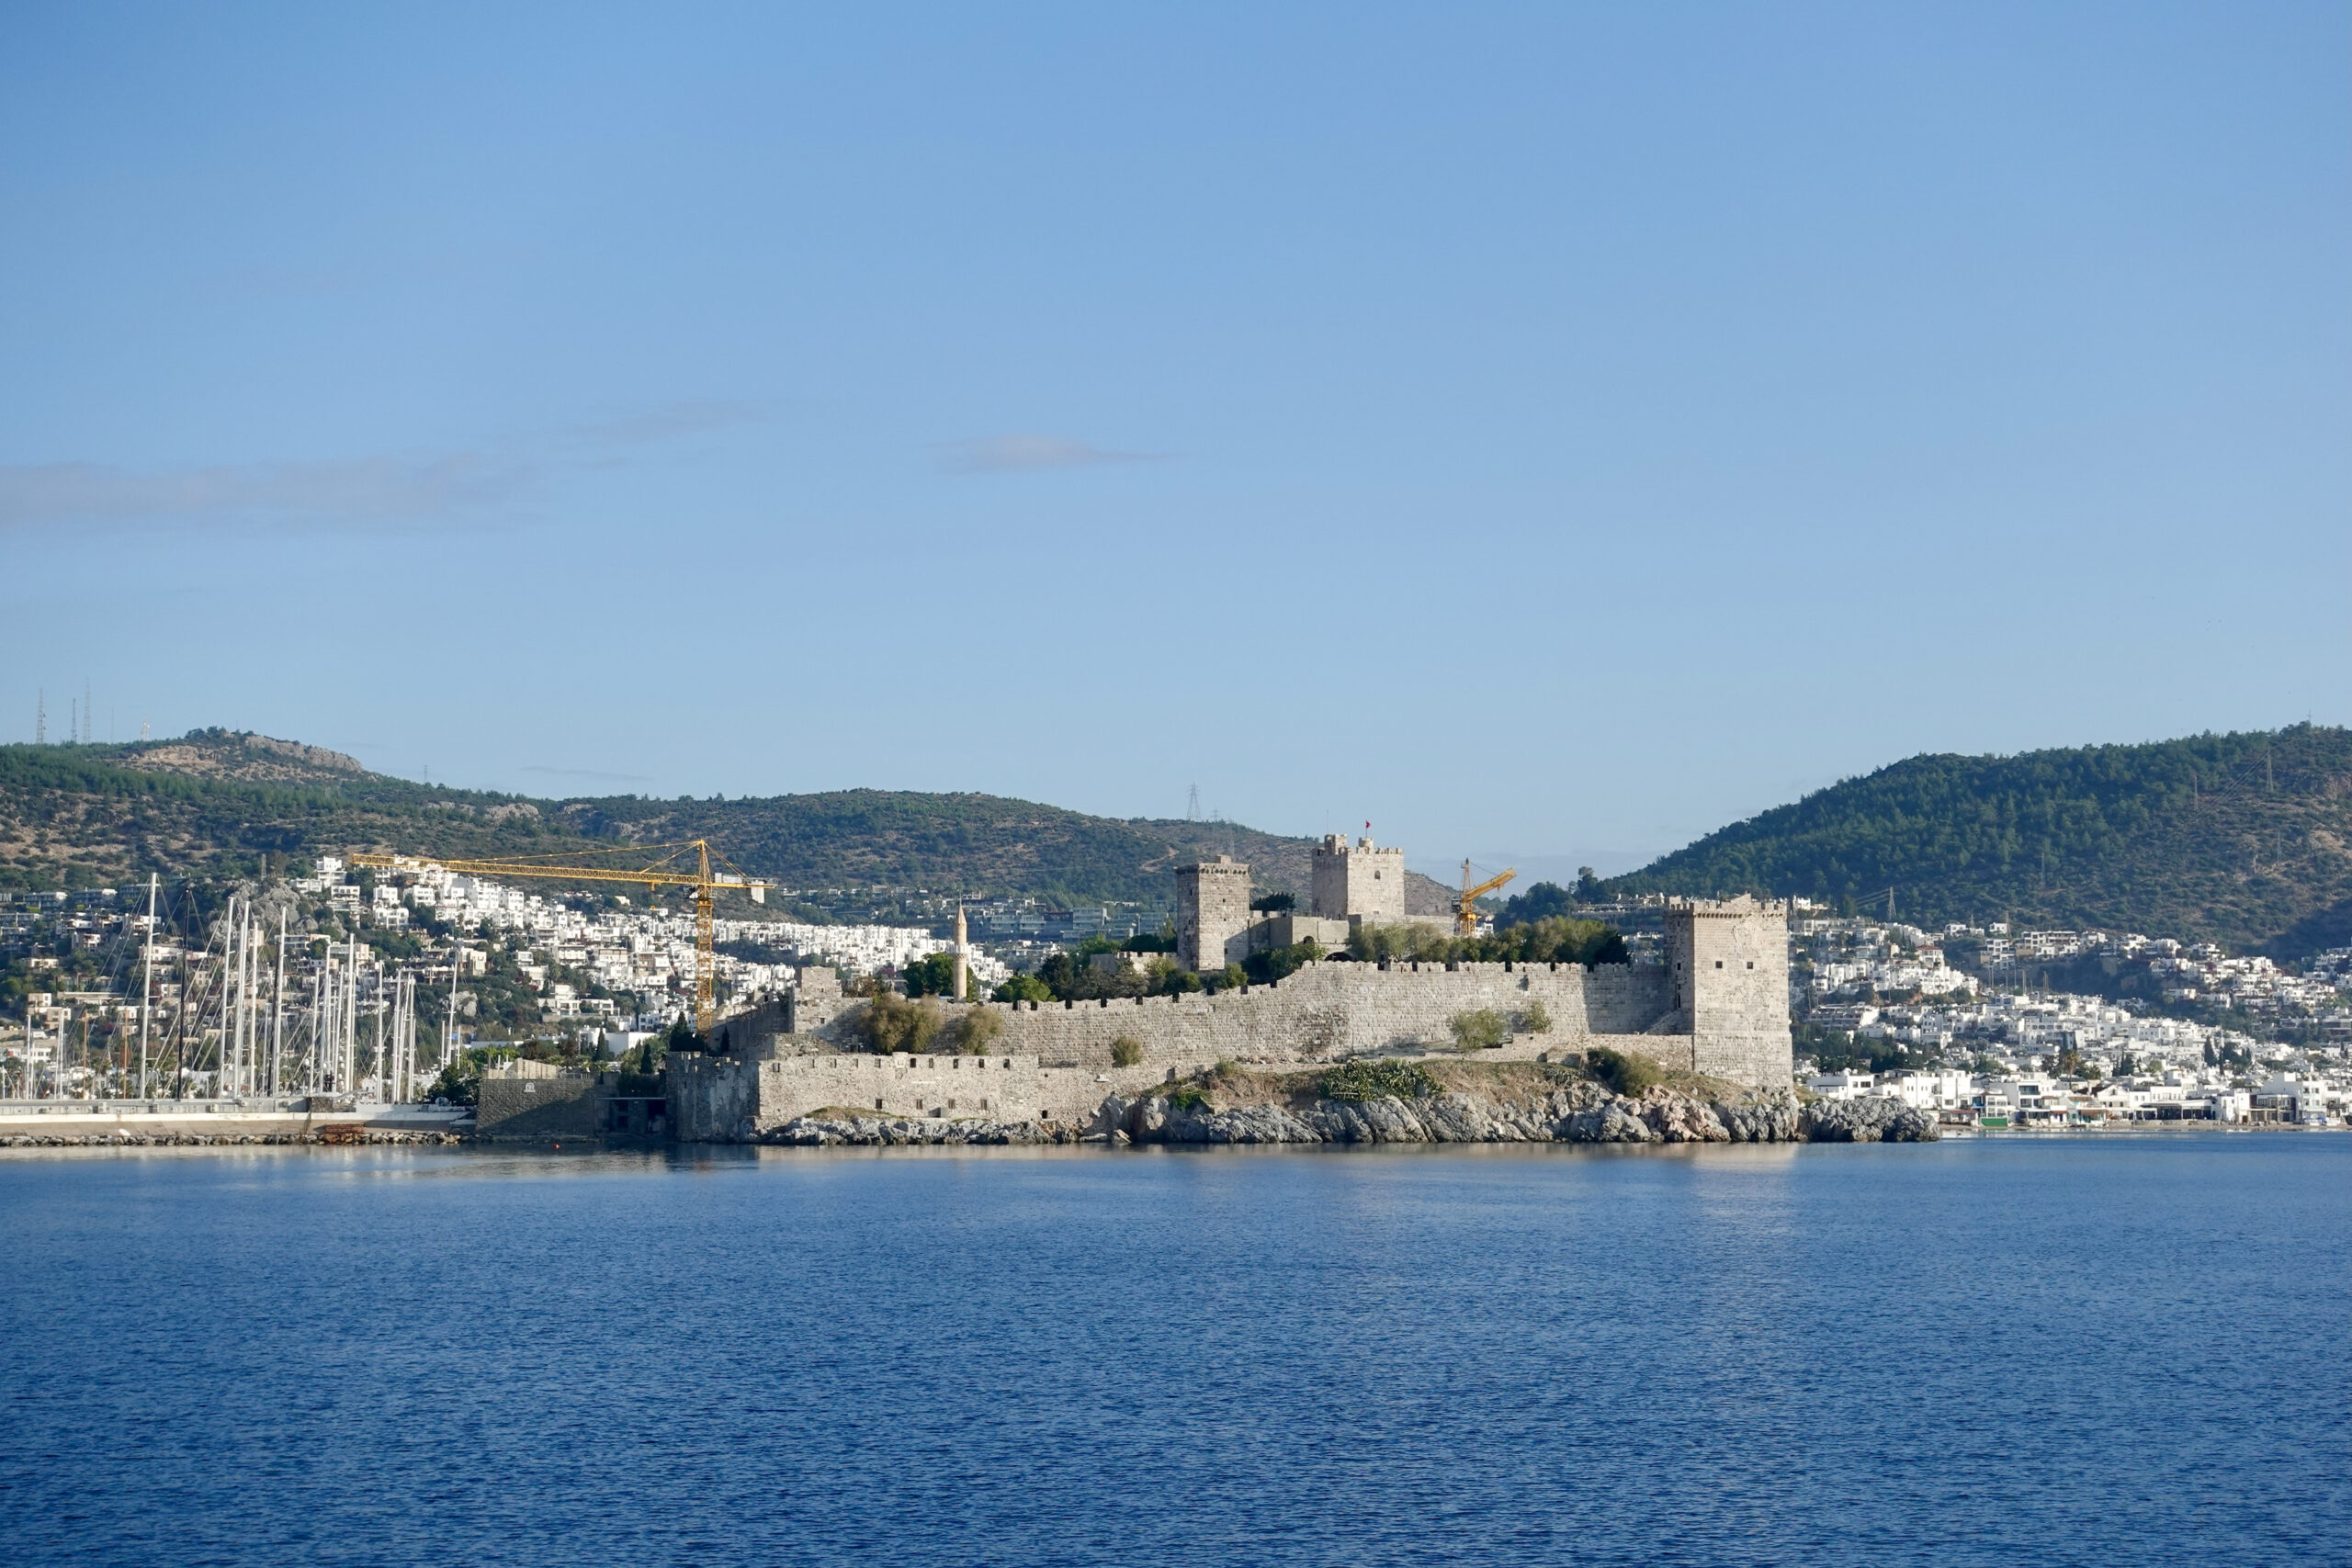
x: 215, y: 803
x: 2244, y: 839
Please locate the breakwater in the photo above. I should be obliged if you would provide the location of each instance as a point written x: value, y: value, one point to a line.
x: 317, y: 1136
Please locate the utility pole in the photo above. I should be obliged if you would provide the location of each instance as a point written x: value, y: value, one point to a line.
x: 146, y: 984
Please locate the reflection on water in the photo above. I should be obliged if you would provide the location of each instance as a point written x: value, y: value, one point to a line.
x: 1939, y: 1353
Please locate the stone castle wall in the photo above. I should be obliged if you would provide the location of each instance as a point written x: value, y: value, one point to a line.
x: 1054, y: 1060
x: 728, y: 1100
x: 535, y: 1099
x: 1335, y: 1010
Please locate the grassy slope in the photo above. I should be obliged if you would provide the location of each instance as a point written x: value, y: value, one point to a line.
x: 2245, y: 839
x: 214, y: 803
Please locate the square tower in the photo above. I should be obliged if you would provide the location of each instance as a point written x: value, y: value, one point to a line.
x: 1359, y: 882
x: 1727, y: 965
x: 1212, y: 911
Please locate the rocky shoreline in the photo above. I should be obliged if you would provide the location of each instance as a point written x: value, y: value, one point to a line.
x: 1575, y: 1113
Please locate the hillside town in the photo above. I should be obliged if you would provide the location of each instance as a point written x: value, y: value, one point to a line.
x: 1882, y: 1010
x: 1963, y: 1021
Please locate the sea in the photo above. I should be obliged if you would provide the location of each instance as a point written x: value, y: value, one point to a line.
x: 2030, y: 1350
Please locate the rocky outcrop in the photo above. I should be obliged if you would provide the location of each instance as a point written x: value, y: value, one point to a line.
x: 1868, y: 1122
x: 827, y: 1131
x: 1577, y: 1113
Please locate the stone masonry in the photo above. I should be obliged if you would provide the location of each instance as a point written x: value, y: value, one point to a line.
x: 1359, y: 882
x: 1727, y: 966
x: 1718, y: 1005
x: 1211, y: 911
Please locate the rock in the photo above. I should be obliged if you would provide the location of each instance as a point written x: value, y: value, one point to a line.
x: 1617, y: 1122
x: 1677, y: 1120
x: 1868, y: 1121
x: 1767, y: 1118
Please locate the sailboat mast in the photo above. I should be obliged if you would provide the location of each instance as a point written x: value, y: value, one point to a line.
x: 146, y: 984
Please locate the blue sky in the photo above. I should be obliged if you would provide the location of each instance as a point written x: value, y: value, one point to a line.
x: 1540, y: 431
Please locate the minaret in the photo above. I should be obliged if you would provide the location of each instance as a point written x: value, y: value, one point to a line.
x: 963, y: 966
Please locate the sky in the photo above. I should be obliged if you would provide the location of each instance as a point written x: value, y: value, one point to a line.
x: 1546, y: 433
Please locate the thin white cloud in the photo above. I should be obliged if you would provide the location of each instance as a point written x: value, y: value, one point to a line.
x: 667, y: 422
x: 1030, y: 453
x: 357, y: 491
x: 340, y: 492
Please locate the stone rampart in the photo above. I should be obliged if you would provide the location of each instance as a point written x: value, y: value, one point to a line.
x: 531, y: 1100
x: 729, y: 1099
x: 1333, y: 1010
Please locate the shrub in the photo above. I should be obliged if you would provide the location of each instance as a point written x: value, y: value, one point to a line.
x: 1377, y: 1078
x: 1624, y: 1075
x: 890, y: 1022
x: 1479, y: 1031
x: 1126, y: 1050
x: 976, y: 1030
x: 1537, y: 1018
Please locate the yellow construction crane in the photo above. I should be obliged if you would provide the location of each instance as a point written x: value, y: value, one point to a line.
x: 673, y: 870
x: 1465, y: 918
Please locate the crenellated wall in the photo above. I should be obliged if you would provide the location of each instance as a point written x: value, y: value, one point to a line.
x: 1335, y: 1010
x: 1728, y: 963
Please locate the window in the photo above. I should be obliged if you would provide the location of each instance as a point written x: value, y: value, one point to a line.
x: 1751, y: 964
x: 1719, y: 962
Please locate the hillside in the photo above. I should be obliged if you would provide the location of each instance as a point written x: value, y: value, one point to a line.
x: 2245, y: 839
x: 214, y: 803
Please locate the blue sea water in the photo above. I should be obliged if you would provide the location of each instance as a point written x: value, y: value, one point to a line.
x: 2016, y: 1351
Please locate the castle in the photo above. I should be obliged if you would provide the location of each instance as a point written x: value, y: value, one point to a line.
x: 1718, y: 1004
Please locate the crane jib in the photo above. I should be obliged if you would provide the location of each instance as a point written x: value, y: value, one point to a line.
x: 702, y: 879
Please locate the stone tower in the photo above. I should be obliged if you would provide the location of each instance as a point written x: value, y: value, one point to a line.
x: 1358, y: 882
x: 1727, y: 965
x: 1212, y: 908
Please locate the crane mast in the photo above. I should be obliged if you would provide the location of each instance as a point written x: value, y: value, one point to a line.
x: 1466, y: 915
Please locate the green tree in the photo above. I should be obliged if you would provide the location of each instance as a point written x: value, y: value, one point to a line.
x: 932, y: 977
x: 1025, y: 988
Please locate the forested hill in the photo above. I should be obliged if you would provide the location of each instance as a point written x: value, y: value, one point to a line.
x: 2244, y: 839
x: 214, y: 803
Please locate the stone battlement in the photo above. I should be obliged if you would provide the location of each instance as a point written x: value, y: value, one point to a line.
x: 1718, y: 1006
